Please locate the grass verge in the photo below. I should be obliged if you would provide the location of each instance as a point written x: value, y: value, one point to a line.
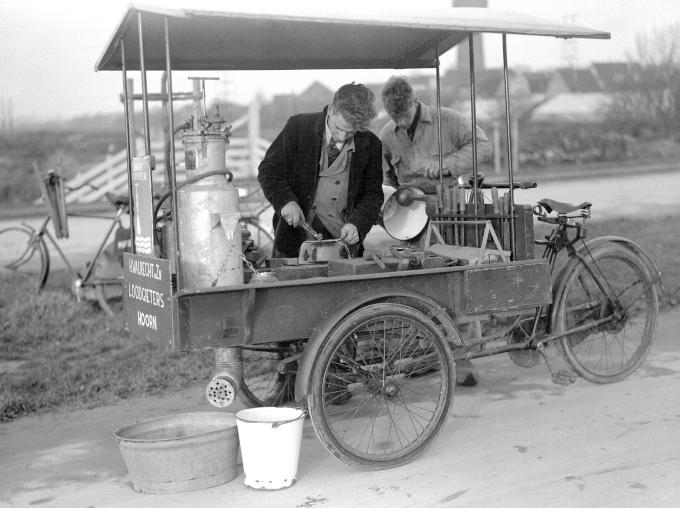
x: 57, y: 353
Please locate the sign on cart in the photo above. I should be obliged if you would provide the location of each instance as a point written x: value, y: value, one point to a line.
x: 147, y: 295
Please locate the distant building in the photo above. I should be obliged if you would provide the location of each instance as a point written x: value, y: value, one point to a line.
x: 538, y: 82
x: 615, y: 76
x: 574, y: 107
x: 573, y: 80
x: 573, y: 95
x: 275, y: 114
x: 559, y: 95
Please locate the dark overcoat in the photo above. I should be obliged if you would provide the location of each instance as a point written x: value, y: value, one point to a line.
x: 290, y: 169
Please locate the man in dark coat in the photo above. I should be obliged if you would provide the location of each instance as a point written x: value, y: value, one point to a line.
x: 326, y: 169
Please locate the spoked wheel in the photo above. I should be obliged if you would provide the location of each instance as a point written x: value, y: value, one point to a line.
x: 108, y: 283
x: 617, y: 292
x: 267, y: 381
x: 22, y: 252
x: 381, y: 386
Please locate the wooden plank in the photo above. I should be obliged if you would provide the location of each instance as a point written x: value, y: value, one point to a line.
x: 507, y: 286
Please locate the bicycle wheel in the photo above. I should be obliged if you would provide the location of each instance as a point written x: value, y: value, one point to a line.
x: 23, y: 252
x: 263, y: 384
x: 264, y: 241
x: 381, y: 386
x: 619, y: 292
x: 108, y: 269
x: 109, y: 297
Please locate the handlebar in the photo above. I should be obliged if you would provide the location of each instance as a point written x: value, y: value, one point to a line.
x: 481, y: 184
x: 515, y: 185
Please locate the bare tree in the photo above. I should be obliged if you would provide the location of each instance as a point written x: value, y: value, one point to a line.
x: 651, y: 102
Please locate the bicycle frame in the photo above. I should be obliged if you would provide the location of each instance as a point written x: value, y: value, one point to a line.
x: 541, y: 335
x: 85, y: 279
x: 556, y: 241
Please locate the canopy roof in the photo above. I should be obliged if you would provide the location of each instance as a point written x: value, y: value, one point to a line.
x: 251, y: 40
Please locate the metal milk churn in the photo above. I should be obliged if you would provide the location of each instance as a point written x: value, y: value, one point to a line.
x: 208, y: 210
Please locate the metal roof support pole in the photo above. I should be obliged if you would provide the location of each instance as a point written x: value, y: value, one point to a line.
x: 509, y: 147
x: 473, y: 115
x: 439, y: 131
x: 172, y: 175
x: 128, y: 146
x: 145, y: 98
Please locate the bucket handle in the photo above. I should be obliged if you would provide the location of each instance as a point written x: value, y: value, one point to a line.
x: 303, y: 413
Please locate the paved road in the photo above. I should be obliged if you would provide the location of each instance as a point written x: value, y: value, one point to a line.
x: 514, y: 440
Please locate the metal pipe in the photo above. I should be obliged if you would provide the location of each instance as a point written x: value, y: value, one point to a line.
x: 439, y: 126
x: 171, y: 163
x: 128, y: 147
x: 509, y: 141
x: 142, y: 69
x: 473, y: 114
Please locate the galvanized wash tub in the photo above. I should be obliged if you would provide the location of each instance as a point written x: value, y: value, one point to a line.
x: 180, y: 453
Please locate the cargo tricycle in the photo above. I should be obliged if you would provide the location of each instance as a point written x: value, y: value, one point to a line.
x: 367, y: 345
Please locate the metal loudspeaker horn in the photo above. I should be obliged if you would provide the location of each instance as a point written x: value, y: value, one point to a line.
x: 404, y: 214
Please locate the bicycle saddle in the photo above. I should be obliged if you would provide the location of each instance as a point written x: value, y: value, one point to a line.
x: 562, y: 208
x: 117, y: 199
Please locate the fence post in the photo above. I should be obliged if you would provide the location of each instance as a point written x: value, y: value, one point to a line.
x: 253, y: 133
x: 131, y: 115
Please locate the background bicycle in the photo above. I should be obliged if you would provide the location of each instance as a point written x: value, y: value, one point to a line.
x: 256, y: 217
x: 24, y: 248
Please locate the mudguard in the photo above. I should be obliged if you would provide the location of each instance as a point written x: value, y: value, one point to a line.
x: 419, y: 302
x: 558, y: 285
x: 630, y: 244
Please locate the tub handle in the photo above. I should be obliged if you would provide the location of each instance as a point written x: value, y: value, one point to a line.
x: 303, y: 413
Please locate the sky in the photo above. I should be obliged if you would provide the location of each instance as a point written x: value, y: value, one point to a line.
x: 48, y: 48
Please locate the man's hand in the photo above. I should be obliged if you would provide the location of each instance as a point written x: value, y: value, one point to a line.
x: 349, y: 234
x: 292, y: 214
x: 432, y: 170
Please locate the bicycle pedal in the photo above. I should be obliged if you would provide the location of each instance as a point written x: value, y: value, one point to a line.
x: 563, y: 377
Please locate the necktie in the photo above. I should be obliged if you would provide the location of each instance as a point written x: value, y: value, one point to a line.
x: 333, y: 152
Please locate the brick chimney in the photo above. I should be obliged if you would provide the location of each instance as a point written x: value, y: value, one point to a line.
x: 463, y: 63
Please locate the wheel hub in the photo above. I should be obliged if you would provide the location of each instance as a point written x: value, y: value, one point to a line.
x: 617, y: 323
x: 617, y: 318
x: 390, y: 390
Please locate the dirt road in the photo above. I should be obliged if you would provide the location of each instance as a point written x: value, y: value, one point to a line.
x: 516, y: 439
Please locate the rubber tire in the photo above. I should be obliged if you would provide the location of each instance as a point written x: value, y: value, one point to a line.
x: 610, y: 258
x: 317, y: 397
x: 14, y: 235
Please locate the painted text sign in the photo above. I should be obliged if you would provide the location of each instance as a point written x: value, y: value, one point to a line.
x: 147, y: 295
